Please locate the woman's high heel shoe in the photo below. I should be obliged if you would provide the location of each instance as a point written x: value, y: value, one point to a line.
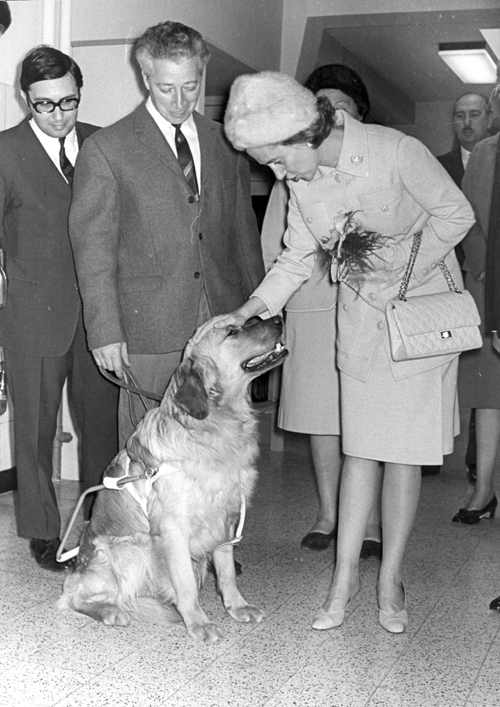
x: 397, y: 622
x: 325, y: 620
x: 471, y: 517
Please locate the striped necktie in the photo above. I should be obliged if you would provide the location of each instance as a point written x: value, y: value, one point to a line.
x: 66, y: 167
x: 185, y: 158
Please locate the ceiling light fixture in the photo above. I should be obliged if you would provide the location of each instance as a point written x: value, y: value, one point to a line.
x: 472, y: 62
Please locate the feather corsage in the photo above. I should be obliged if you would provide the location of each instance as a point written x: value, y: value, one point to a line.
x: 346, y: 252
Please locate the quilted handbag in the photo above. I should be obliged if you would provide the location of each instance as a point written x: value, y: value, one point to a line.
x: 432, y: 325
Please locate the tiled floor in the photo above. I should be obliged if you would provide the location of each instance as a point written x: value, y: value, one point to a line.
x: 449, y: 657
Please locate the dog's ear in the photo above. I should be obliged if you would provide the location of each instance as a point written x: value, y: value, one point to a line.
x: 191, y: 396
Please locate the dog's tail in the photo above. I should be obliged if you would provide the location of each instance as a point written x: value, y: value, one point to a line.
x: 148, y: 610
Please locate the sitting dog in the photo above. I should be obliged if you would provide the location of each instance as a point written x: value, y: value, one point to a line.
x: 144, y: 553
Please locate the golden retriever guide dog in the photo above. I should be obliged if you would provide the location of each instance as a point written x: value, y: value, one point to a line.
x: 144, y: 553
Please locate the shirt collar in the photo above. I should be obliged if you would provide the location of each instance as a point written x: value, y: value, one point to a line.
x: 354, y: 155
x: 188, y: 126
x: 465, y: 154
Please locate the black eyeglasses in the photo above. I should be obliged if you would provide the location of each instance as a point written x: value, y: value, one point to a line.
x: 65, y: 104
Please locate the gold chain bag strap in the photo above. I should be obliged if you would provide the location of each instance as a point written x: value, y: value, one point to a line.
x: 431, y: 325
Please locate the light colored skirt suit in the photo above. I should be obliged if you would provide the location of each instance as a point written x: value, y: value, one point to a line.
x: 310, y: 395
x: 400, y: 412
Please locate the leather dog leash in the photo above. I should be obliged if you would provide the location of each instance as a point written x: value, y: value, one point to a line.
x: 132, y: 385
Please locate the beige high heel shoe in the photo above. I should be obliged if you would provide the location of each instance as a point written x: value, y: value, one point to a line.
x: 397, y: 622
x: 325, y: 620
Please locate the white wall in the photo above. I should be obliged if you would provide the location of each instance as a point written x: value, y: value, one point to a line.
x: 102, y: 33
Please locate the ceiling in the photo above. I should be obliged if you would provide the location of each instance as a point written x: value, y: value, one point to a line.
x: 400, y: 51
x: 395, y: 53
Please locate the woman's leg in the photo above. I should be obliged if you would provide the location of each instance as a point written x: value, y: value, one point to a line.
x: 487, y: 440
x: 400, y: 496
x: 358, y: 490
x: 327, y: 460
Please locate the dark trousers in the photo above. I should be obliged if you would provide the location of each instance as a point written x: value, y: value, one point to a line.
x: 35, y: 385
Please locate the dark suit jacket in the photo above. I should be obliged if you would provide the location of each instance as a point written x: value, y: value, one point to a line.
x: 452, y: 162
x: 43, y: 303
x: 481, y: 254
x: 143, y: 245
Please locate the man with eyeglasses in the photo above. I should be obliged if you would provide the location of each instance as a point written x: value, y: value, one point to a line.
x: 41, y: 327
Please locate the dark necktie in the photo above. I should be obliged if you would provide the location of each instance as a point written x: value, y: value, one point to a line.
x: 66, y: 166
x: 185, y: 158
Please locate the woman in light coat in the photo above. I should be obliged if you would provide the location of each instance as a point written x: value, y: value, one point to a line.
x: 404, y: 414
x: 309, y: 396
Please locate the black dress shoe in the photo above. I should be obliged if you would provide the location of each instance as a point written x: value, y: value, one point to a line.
x: 44, y: 552
x: 472, y: 517
x: 317, y: 541
x: 371, y: 548
x: 495, y: 604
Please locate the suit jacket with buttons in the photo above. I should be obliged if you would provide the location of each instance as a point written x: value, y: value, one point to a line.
x: 144, y: 246
x: 478, y: 187
x: 43, y: 303
x: 397, y: 188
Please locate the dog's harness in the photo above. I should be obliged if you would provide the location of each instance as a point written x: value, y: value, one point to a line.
x: 151, y: 475
x: 126, y: 481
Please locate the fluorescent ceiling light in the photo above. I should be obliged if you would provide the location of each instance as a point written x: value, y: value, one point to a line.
x: 472, y: 62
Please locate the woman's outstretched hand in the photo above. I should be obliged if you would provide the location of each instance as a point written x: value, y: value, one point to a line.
x: 251, y: 308
x: 218, y: 322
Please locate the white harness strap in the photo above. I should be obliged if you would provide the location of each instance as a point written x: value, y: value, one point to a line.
x: 141, y: 494
x: 238, y: 536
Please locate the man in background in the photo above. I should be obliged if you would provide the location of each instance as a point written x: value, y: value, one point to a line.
x: 472, y: 121
x: 162, y: 226
x: 41, y: 327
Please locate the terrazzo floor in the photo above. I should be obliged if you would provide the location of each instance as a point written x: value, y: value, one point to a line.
x: 449, y: 656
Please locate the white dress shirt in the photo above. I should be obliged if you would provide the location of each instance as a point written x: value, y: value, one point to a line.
x: 188, y: 130
x: 465, y: 156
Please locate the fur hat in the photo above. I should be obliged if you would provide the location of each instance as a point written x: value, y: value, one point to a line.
x: 267, y: 108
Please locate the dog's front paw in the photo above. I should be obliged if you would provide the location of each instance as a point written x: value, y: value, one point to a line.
x: 205, y: 632
x: 246, y: 614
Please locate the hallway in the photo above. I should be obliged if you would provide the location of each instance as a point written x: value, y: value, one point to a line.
x: 449, y: 657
